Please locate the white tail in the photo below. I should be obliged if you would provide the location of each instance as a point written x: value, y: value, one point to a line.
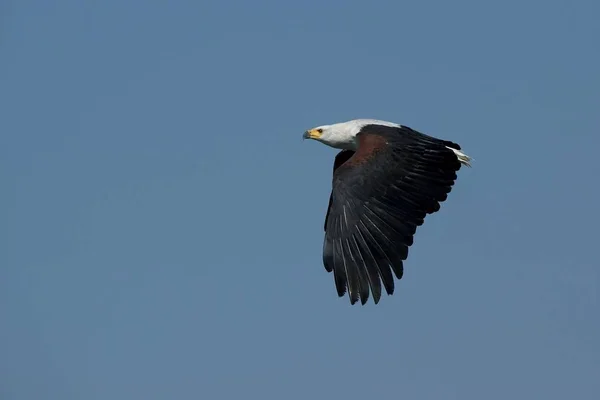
x: 462, y: 157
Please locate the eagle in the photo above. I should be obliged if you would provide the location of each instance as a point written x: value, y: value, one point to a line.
x: 387, y: 178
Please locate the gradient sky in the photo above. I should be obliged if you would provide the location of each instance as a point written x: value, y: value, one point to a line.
x: 161, y: 217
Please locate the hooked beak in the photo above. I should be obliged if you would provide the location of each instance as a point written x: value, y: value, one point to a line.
x: 312, y: 134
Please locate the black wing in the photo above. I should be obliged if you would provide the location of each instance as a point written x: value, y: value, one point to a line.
x: 381, y: 193
x: 340, y: 159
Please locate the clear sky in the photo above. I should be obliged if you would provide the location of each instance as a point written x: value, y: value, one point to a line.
x: 162, y: 219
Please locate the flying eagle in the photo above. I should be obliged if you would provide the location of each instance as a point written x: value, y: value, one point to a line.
x: 386, y: 179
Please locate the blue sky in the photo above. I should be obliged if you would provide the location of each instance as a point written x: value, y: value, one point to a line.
x: 162, y: 218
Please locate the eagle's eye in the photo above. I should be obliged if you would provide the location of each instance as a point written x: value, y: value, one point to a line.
x: 320, y: 130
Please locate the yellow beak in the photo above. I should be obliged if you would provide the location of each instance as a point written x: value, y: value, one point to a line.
x: 312, y: 134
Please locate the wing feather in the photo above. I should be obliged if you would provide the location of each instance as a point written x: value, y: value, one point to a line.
x: 378, y: 258
x: 369, y: 267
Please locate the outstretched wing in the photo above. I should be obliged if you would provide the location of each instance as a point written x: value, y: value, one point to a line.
x: 380, y: 195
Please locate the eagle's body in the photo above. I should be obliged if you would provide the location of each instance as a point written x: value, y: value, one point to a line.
x: 386, y: 179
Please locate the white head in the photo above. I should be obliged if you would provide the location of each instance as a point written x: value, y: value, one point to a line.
x: 343, y: 134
